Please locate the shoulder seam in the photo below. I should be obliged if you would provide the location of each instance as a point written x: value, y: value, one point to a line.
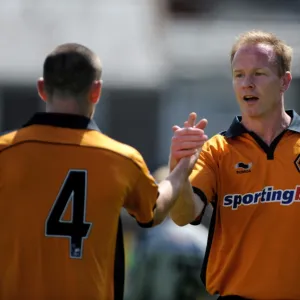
x: 70, y: 145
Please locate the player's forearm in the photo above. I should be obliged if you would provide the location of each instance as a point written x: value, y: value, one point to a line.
x: 169, y: 190
x: 187, y: 207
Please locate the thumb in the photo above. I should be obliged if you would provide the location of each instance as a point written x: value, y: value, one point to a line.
x: 201, y: 124
x: 175, y: 128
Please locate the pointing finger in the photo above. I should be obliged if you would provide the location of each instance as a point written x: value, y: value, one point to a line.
x: 192, y: 119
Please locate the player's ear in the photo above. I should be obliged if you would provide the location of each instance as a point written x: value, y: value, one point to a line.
x: 41, y: 89
x: 95, y: 92
x: 286, y: 80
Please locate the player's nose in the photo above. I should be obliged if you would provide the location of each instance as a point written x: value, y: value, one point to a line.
x: 248, y: 83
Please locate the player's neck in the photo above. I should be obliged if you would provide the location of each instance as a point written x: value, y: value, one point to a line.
x: 66, y: 107
x: 268, y: 127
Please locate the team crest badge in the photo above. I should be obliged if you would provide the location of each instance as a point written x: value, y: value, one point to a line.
x: 297, y: 163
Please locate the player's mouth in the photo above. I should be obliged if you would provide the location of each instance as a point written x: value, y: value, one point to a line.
x: 250, y: 98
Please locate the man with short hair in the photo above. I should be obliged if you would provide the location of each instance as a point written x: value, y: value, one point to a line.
x: 250, y: 175
x: 62, y: 186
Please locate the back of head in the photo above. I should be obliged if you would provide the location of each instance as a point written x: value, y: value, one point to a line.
x: 282, y: 50
x: 70, y: 70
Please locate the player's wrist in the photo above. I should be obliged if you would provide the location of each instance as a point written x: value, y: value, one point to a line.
x: 172, y: 163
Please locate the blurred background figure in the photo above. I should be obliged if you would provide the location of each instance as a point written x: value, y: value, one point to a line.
x: 167, y: 261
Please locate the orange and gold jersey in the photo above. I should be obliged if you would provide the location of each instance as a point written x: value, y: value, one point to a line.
x: 62, y: 186
x: 253, y: 247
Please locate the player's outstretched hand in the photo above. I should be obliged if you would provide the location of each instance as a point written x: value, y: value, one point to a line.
x: 187, y: 142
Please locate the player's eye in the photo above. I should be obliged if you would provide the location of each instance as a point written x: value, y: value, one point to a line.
x: 259, y: 73
x: 238, y: 75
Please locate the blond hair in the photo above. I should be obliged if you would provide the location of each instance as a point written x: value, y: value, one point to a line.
x: 282, y: 50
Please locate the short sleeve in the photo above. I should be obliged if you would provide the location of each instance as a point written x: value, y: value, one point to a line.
x: 141, y: 199
x: 204, y: 177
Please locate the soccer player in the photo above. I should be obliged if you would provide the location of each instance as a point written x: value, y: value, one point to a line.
x: 62, y: 186
x: 250, y: 174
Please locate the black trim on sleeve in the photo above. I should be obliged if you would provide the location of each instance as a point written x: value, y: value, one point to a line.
x: 210, y: 232
x: 145, y: 225
x: 209, y: 242
x: 203, y: 197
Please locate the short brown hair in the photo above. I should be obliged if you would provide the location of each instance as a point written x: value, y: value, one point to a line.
x: 254, y: 37
x: 71, y: 69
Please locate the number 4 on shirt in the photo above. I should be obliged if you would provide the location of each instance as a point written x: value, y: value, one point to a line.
x: 72, y: 192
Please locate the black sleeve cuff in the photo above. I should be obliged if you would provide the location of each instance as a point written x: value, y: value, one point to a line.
x: 145, y: 225
x: 198, y: 220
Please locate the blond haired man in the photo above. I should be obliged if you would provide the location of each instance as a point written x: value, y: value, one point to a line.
x: 250, y: 175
